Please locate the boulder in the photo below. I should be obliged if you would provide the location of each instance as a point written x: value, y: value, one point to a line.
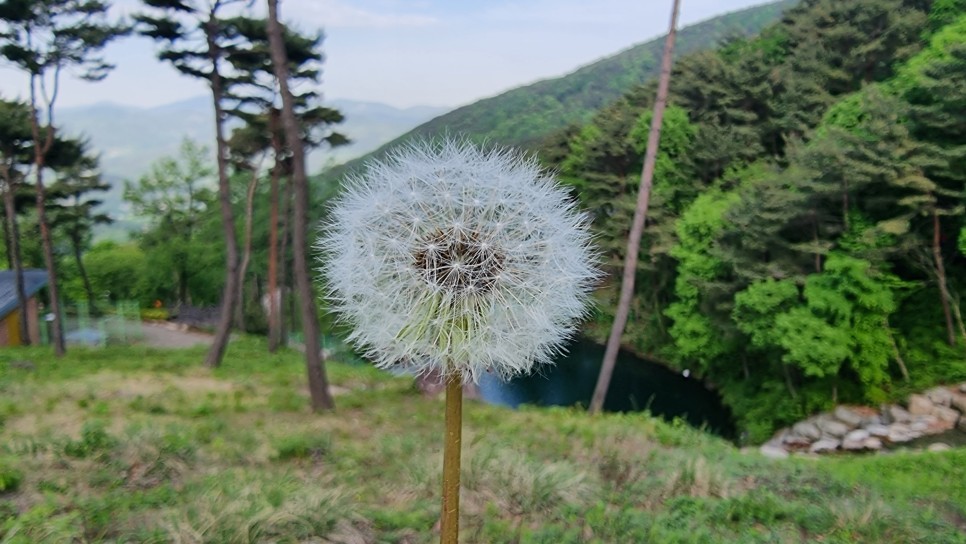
x: 946, y: 415
x: 794, y: 441
x: 939, y: 446
x: 807, y: 429
x: 832, y: 427
x: 940, y: 396
x: 962, y: 424
x: 872, y: 443
x: 958, y: 401
x: 824, y: 445
x: 852, y: 418
x: 962, y: 387
x: 879, y: 430
x: 898, y: 414
x: 919, y: 405
x: 900, y: 432
x: 855, y: 440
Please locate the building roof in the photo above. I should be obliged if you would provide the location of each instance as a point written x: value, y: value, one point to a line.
x: 33, y: 280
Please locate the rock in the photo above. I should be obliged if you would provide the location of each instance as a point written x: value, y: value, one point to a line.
x: 898, y: 414
x: 958, y: 401
x: 940, y: 396
x: 832, y: 427
x: 773, y: 452
x: 962, y: 424
x: 855, y: 440
x: 900, y: 432
x: 872, y: 443
x: 879, y: 430
x: 794, y: 441
x: 824, y: 445
x: 939, y: 446
x: 962, y: 388
x: 919, y: 405
x: 850, y: 417
x: 807, y: 429
x: 946, y: 415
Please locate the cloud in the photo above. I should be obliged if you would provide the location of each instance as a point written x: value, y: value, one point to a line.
x: 336, y: 13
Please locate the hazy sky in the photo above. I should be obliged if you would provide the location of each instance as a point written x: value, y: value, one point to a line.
x: 413, y: 52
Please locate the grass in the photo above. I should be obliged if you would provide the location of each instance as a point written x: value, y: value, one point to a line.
x: 139, y: 445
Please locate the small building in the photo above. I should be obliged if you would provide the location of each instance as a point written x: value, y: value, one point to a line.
x: 10, y: 310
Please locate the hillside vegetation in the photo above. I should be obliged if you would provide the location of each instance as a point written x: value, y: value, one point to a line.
x: 139, y: 445
x: 806, y: 236
x: 527, y: 115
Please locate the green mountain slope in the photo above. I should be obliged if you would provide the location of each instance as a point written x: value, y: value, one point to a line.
x: 526, y: 115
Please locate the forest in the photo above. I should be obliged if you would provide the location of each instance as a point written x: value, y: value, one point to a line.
x: 805, y: 241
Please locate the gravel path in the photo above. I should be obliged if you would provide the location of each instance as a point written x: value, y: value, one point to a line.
x: 169, y: 335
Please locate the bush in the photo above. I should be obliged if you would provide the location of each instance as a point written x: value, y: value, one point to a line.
x: 302, y: 447
x: 10, y: 476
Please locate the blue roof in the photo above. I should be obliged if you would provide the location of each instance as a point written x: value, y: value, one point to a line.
x: 33, y: 280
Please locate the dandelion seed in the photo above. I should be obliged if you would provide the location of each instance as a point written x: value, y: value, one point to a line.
x: 486, y: 267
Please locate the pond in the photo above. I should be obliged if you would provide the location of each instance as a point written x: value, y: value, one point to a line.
x: 638, y: 384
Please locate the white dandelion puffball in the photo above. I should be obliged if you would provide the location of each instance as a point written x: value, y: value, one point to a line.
x: 450, y: 258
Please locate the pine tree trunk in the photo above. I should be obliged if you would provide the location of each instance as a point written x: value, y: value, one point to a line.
x: 274, y: 295
x: 640, y: 216
x: 220, y: 342
x: 40, y: 156
x: 283, y: 271
x: 318, y: 383
x: 941, y: 277
x: 246, y: 250
x: 13, y: 251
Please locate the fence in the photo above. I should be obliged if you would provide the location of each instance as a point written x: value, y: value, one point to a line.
x: 118, y: 325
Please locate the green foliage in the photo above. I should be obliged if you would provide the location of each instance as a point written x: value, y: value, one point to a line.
x: 10, y: 476
x: 118, y: 272
x: 303, y: 447
x: 814, y: 201
x: 182, y: 250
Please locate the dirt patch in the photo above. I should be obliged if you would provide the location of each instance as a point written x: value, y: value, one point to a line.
x: 171, y: 335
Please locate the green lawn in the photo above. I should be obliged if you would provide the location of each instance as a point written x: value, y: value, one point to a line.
x: 140, y: 445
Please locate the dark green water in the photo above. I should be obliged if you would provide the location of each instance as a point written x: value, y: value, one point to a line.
x: 638, y: 384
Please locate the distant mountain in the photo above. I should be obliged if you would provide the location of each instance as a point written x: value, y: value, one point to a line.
x: 526, y: 115
x: 129, y: 139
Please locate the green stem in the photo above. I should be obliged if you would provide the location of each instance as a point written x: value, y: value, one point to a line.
x: 449, y: 525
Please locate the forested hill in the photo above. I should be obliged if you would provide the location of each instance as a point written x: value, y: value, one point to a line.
x: 526, y: 115
x: 806, y: 240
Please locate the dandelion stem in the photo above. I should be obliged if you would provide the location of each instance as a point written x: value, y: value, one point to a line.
x: 449, y: 525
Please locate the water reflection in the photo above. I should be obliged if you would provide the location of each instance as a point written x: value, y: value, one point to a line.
x: 637, y: 385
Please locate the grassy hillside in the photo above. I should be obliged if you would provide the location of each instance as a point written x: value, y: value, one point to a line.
x: 526, y: 115
x: 138, y: 445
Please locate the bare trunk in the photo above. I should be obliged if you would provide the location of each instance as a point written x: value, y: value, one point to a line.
x: 318, y: 383
x: 40, y: 155
x: 941, y: 277
x: 283, y: 272
x: 246, y: 250
x: 220, y: 342
x: 13, y: 251
x: 274, y: 295
x: 640, y: 215
x: 895, y: 350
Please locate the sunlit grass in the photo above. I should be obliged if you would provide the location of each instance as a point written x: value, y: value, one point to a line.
x: 137, y: 445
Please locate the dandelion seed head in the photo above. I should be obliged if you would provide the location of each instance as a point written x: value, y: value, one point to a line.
x: 450, y: 258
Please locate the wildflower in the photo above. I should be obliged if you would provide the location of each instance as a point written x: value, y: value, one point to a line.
x: 451, y: 258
